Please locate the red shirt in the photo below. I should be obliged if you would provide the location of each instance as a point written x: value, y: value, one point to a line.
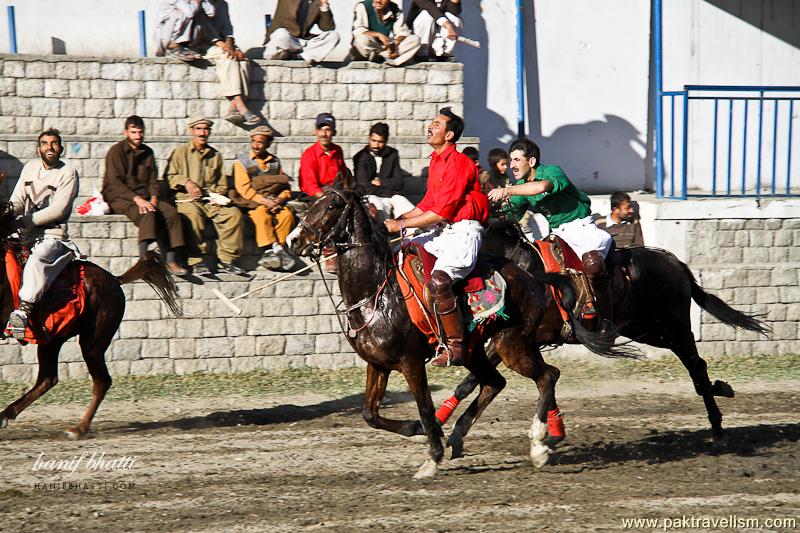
x: 454, y: 192
x: 318, y: 168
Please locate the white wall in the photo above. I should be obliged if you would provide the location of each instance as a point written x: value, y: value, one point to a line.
x: 587, y: 64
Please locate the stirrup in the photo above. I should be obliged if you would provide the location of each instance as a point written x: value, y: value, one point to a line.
x: 17, y: 325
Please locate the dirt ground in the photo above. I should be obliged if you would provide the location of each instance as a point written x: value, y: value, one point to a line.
x: 309, y: 463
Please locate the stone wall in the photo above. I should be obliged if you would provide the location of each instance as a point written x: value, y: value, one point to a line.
x: 89, y: 98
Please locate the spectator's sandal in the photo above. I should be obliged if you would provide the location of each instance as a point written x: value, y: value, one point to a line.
x: 251, y: 119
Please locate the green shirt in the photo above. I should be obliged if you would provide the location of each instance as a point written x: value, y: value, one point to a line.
x: 563, y: 204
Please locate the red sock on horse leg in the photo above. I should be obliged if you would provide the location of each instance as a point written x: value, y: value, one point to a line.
x: 555, y: 423
x: 447, y: 408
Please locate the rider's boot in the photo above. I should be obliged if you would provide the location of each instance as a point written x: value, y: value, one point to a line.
x: 595, y: 268
x: 446, y: 307
x: 18, y: 320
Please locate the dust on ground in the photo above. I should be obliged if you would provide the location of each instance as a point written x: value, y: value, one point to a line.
x: 306, y: 461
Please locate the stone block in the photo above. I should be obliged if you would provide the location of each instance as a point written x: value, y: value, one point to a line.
x: 8, y: 86
x: 434, y: 93
x: 133, y: 329
x: 320, y: 324
x: 214, y: 347
x: 789, y: 295
x: 301, y: 75
x: 743, y: 295
x: 100, y: 108
x: 15, y: 106
x: 328, y: 343
x: 66, y: 71
x: 360, y: 75
x: 116, y: 71
x: 48, y: 107
x: 333, y: 92
x: 129, y: 89
x: 279, y: 307
x: 383, y: 92
x: 147, y: 108
x: 157, y: 89
x: 323, y: 76
x: 178, y: 73
x: 372, y: 111
x: 409, y: 93
x: 30, y: 87
x: 184, y: 90
x: 358, y: 93
x: 72, y: 108
x: 100, y: 88
x: 161, y: 329
x: 410, y: 128
x: 247, y: 364
x: 311, y: 92
x: 124, y: 108
x: 76, y: 371
x: 767, y: 295
x: 400, y: 110
x: 395, y: 76
x: 173, y: 109
x: 13, y: 69
x: 282, y: 110
x: 782, y: 238
x: 758, y: 278
x: 291, y: 92
x: 155, y: 348
x: 445, y: 77
x: 762, y: 238
x: 148, y: 71
x: 242, y: 347
x: 107, y: 248
x: 309, y: 110
x: 31, y: 125
x: 455, y: 93
x: 55, y: 88
x: 299, y: 344
x: 219, y: 365
x: 80, y: 89
x: 294, y: 289
x: 415, y: 75
x: 86, y: 126
x: 143, y: 367
x: 10, y: 354
x: 783, y: 276
x: 304, y: 306
x: 277, y: 74
x: 754, y: 255
x: 126, y: 350
x: 181, y: 348
x: 190, y: 366
x: 274, y: 325
x: 754, y: 223
x: 270, y: 345
x: 189, y: 327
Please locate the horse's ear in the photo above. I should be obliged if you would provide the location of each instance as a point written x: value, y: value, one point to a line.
x: 348, y: 180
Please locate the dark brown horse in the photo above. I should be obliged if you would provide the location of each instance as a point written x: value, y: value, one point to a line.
x: 385, y: 338
x: 651, y: 308
x: 95, y: 327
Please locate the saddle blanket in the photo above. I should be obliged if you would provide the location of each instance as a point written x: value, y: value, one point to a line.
x: 481, y: 295
x: 61, y: 305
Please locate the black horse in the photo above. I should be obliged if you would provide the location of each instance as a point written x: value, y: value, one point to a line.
x: 383, y: 335
x: 652, y: 291
x: 95, y: 327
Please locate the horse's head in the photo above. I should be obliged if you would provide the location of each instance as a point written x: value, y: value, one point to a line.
x: 324, y: 223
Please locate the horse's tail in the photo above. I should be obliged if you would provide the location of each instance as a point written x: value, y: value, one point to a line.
x: 153, y: 270
x: 599, y: 343
x: 722, y: 311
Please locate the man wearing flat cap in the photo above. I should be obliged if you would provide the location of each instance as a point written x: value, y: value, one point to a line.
x: 322, y: 163
x: 195, y: 175
x: 263, y: 189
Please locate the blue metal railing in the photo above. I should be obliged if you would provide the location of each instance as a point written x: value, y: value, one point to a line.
x: 691, y: 145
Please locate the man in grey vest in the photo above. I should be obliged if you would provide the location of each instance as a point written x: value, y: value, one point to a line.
x: 42, y: 200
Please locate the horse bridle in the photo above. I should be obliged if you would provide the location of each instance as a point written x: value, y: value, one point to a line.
x: 324, y: 240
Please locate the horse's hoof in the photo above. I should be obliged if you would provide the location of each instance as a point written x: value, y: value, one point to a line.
x: 540, y: 454
x: 427, y: 470
x: 456, y: 445
x: 73, y: 434
x: 723, y: 389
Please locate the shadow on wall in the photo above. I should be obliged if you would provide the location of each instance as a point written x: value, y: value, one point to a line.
x: 479, y: 120
x: 769, y: 17
x: 600, y: 156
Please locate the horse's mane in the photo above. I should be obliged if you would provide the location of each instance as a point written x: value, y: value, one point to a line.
x: 6, y: 220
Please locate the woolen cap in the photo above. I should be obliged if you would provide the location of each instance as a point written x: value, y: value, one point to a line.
x: 262, y: 130
x: 194, y: 121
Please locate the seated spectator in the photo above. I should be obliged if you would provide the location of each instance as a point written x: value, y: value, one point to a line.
x: 130, y: 186
x: 377, y: 171
x: 498, y: 168
x: 621, y: 223
x: 290, y: 34
x: 475, y: 155
x: 195, y: 176
x: 263, y: 189
x: 437, y: 25
x: 379, y: 31
x: 322, y: 163
x: 191, y: 29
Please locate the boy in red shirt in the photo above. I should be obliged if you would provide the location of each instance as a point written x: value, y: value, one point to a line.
x: 453, y: 211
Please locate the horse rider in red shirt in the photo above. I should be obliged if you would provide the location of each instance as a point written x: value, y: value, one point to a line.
x: 452, y: 214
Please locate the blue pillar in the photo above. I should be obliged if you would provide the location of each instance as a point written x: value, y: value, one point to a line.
x: 142, y: 35
x: 657, y: 67
x: 12, y: 30
x: 520, y: 73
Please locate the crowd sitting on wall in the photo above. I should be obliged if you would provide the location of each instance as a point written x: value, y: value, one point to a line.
x: 188, y: 30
